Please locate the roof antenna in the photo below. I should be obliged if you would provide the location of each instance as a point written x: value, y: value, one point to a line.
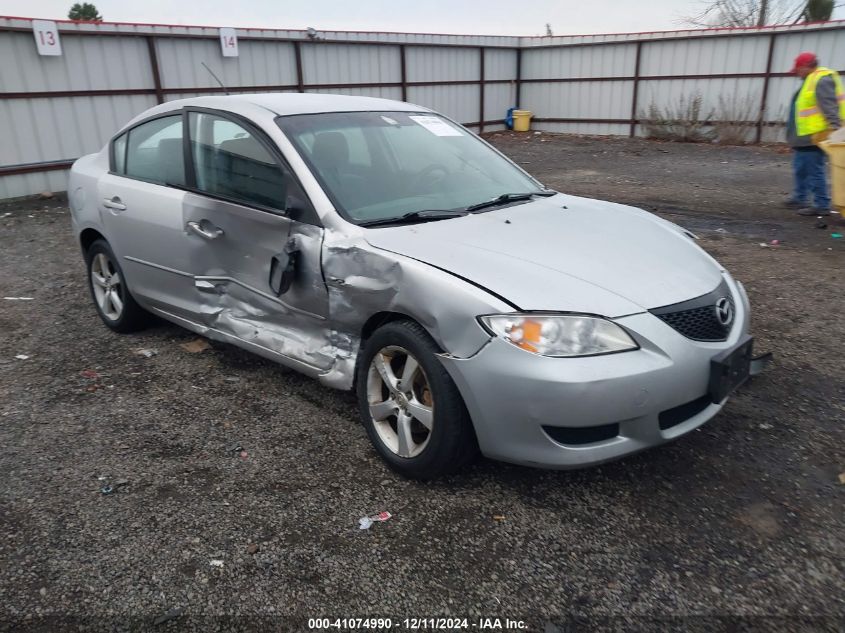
x: 225, y: 89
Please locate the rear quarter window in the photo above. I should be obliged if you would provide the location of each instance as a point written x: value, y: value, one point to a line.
x: 119, y: 155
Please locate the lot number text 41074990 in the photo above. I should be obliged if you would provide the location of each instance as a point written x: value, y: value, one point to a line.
x: 415, y: 624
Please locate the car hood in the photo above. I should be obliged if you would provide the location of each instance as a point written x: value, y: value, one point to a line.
x: 563, y: 253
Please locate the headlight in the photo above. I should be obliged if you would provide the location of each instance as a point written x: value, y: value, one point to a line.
x: 560, y: 335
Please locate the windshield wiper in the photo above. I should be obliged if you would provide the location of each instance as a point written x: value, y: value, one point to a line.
x: 508, y: 197
x: 426, y: 215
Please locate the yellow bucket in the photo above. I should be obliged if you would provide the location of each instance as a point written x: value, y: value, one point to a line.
x: 522, y: 120
x: 836, y: 153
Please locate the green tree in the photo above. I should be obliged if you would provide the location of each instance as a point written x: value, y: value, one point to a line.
x: 818, y: 10
x: 85, y: 12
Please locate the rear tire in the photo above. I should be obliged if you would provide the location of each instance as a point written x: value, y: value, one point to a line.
x: 112, y: 298
x: 409, y: 405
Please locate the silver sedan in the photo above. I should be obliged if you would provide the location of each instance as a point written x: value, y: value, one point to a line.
x: 378, y: 246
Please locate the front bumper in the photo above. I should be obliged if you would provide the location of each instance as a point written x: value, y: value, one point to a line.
x: 576, y: 412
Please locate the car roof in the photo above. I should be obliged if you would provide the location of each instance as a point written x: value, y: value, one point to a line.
x: 283, y: 103
x: 260, y: 106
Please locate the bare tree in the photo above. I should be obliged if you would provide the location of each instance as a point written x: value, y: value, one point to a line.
x: 735, y: 13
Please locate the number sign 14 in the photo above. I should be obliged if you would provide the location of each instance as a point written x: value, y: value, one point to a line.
x: 229, y: 42
x: 46, y: 37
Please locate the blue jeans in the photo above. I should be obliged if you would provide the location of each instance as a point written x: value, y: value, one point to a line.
x: 809, y: 168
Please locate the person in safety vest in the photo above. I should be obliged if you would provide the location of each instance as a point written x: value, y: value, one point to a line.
x: 817, y: 109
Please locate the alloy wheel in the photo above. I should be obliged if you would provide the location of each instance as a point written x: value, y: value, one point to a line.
x: 107, y: 285
x: 400, y: 401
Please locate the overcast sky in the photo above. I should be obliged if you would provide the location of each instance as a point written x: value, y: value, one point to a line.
x: 499, y: 17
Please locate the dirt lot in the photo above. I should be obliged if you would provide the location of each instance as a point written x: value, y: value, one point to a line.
x: 737, y: 526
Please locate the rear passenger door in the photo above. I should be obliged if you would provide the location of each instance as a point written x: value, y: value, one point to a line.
x: 140, y: 204
x: 245, y: 210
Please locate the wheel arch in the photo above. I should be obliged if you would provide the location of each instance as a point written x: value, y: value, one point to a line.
x: 384, y: 317
x: 88, y: 237
x: 376, y: 321
x: 417, y: 329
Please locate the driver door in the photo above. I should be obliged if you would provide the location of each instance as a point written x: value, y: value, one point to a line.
x: 256, y: 269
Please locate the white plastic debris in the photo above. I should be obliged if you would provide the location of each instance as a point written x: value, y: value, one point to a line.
x: 365, y: 523
x: 216, y: 562
x: 146, y: 353
x: 22, y: 357
x: 19, y: 298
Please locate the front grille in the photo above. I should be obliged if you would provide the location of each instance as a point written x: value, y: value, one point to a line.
x: 699, y: 324
x: 697, y: 318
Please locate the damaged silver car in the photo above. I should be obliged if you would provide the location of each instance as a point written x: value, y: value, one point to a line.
x: 378, y: 246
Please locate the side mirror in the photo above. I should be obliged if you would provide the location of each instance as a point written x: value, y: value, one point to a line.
x: 283, y: 271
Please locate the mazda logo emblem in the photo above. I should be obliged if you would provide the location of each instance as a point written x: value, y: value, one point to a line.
x: 724, y: 311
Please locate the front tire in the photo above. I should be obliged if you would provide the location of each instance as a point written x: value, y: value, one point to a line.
x: 107, y: 283
x: 412, y: 410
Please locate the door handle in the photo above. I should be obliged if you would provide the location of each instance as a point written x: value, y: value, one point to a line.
x: 208, y: 232
x: 114, y: 203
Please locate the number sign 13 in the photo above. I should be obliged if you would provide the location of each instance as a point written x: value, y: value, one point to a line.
x: 229, y: 42
x: 46, y: 37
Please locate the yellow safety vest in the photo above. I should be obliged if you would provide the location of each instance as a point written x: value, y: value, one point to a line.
x: 808, y: 116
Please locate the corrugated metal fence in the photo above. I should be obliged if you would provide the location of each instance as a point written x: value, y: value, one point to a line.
x: 605, y: 84
x: 54, y: 109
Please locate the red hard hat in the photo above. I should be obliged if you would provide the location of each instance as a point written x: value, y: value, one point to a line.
x: 804, y: 59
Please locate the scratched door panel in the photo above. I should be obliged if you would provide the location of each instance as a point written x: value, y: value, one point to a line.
x: 142, y: 223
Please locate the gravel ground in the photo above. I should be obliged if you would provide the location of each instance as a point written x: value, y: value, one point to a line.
x: 737, y: 526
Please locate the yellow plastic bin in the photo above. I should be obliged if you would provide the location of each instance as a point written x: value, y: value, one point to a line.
x: 522, y: 120
x: 836, y: 153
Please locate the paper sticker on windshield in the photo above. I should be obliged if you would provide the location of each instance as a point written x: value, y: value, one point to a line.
x: 436, y: 125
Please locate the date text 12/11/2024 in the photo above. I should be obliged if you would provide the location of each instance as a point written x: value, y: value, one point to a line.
x: 416, y: 624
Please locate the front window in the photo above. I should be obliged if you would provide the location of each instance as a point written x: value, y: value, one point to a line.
x: 382, y: 165
x: 231, y: 163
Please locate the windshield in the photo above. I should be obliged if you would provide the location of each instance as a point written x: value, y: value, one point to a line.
x: 382, y: 165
